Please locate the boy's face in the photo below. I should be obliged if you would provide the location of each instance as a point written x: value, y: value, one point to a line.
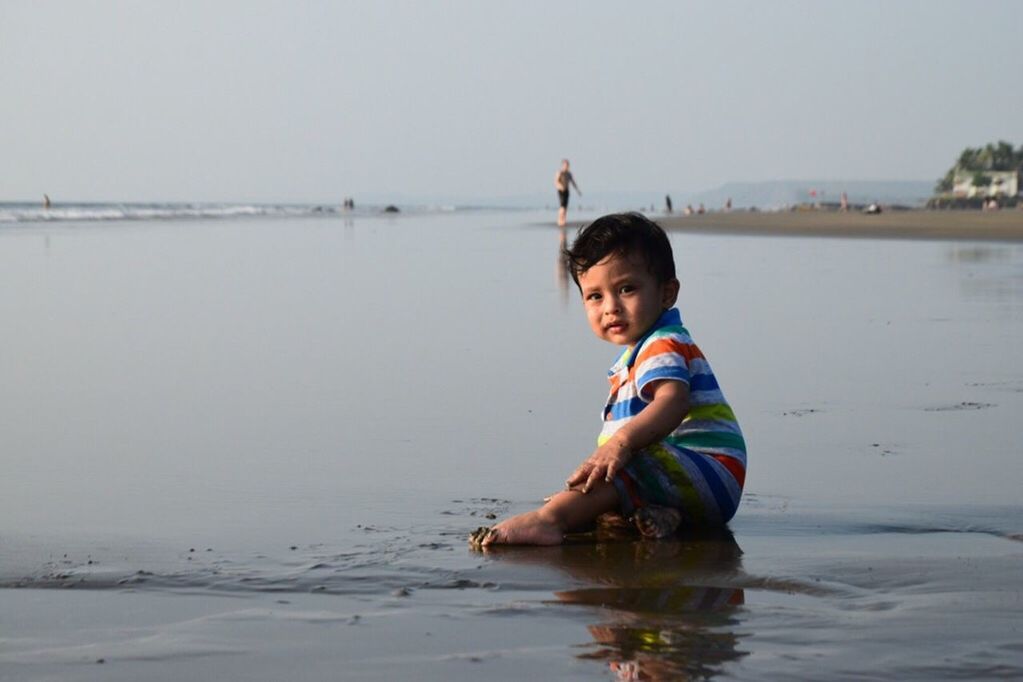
x: 622, y: 299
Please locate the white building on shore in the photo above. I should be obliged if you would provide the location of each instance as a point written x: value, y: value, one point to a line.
x: 1002, y: 184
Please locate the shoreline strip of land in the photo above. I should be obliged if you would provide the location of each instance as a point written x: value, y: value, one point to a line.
x: 997, y: 226
x: 1005, y: 225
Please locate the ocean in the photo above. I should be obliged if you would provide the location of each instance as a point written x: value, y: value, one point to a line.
x: 21, y: 212
x: 249, y: 442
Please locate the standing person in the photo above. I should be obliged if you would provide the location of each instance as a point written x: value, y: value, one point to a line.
x: 670, y: 451
x: 667, y: 202
x: 562, y: 179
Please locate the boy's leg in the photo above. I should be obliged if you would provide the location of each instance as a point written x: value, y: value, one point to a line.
x: 566, y: 511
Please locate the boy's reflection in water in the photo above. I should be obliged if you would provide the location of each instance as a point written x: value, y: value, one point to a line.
x: 666, y: 610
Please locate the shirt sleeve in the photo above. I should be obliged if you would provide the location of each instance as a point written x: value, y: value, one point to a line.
x: 661, y: 358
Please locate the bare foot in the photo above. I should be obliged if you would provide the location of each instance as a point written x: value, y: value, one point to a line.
x: 524, y: 529
x: 655, y: 522
x: 566, y: 510
x: 477, y: 537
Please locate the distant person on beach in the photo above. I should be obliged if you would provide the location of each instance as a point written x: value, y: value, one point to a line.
x: 670, y: 452
x: 667, y: 202
x: 46, y: 201
x: 562, y: 179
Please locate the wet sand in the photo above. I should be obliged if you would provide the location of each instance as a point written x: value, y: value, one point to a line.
x: 1005, y: 225
x: 793, y: 593
x: 234, y: 449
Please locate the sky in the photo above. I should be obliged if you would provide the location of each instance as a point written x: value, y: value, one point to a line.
x: 314, y: 101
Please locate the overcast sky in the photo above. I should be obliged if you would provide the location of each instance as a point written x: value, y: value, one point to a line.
x: 312, y: 101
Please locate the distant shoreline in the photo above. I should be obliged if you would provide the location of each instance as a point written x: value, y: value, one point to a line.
x: 1005, y: 225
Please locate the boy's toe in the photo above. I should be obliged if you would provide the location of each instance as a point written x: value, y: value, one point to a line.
x: 480, y: 536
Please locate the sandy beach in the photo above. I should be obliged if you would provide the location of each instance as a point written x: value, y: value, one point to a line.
x: 285, y: 323
x: 1005, y: 225
x: 238, y: 448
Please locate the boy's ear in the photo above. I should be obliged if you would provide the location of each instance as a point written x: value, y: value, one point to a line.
x: 669, y: 293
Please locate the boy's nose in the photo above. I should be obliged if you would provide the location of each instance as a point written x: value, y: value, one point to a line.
x: 611, y: 305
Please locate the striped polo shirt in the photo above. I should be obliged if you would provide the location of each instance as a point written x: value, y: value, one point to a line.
x: 667, y: 352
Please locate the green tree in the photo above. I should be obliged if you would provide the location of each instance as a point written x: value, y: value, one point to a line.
x: 946, y: 183
x: 967, y: 159
x: 1004, y: 157
x: 998, y: 156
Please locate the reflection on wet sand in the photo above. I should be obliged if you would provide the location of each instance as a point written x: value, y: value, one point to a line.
x: 978, y: 253
x: 560, y: 267
x: 987, y: 273
x: 664, y: 610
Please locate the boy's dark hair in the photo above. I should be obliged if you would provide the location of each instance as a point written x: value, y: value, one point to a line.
x: 621, y: 234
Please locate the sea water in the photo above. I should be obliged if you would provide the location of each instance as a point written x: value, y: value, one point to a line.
x: 231, y: 444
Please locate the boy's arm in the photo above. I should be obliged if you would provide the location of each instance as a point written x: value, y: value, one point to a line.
x: 668, y: 406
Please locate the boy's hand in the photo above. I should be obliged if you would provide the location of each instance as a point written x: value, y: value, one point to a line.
x: 606, y: 461
x: 669, y: 404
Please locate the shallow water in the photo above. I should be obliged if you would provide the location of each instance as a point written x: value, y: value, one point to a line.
x: 262, y: 441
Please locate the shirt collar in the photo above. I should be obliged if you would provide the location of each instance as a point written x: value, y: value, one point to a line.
x: 669, y: 318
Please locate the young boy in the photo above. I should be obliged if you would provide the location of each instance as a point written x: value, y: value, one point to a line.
x: 670, y: 451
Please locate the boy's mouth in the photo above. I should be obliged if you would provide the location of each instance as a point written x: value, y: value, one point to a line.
x: 615, y: 327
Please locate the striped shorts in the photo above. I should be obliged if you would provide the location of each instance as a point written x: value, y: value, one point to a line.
x: 698, y: 485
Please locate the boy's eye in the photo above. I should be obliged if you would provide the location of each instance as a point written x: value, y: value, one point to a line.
x: 593, y: 296
x: 626, y: 288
